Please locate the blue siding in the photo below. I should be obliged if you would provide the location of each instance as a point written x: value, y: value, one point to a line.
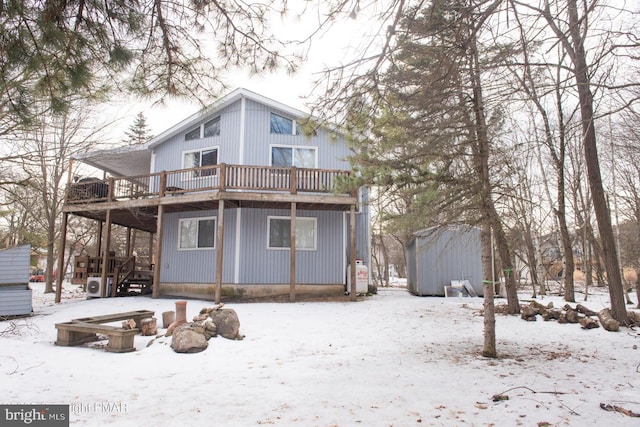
x: 325, y: 265
x: 14, y: 265
x: 246, y: 257
x: 258, y: 264
x: 168, y: 156
x: 331, y: 149
x: 196, y: 266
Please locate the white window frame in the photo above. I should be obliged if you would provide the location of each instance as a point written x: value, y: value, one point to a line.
x: 293, y: 157
x: 198, y: 219
x: 201, y: 130
x: 200, y: 150
x: 299, y: 219
x: 295, y: 126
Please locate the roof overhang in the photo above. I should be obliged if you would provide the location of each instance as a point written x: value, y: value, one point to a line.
x: 122, y: 161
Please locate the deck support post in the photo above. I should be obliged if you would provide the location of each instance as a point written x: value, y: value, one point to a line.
x: 220, y: 251
x: 157, y: 253
x: 128, y: 246
x: 105, y: 254
x: 61, y: 250
x: 352, y: 250
x: 99, y: 242
x: 292, y: 255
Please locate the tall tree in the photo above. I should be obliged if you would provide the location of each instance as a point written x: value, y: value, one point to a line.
x: 154, y: 48
x: 572, y: 37
x: 139, y: 132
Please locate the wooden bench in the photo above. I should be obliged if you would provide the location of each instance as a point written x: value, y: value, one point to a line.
x: 137, y: 316
x: 80, y: 331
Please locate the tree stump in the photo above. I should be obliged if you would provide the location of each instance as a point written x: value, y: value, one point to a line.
x: 168, y: 317
x: 149, y: 326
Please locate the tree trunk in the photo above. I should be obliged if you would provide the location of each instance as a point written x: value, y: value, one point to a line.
x: 481, y: 159
x: 489, y: 348
x: 603, y: 217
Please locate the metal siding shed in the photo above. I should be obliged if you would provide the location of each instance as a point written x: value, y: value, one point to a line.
x: 15, y: 295
x: 438, y: 255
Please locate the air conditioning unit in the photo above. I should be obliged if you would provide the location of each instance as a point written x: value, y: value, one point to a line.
x: 94, y: 287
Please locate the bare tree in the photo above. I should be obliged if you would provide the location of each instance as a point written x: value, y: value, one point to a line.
x: 44, y: 158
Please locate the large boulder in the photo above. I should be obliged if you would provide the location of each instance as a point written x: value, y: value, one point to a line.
x: 186, y: 339
x: 227, y: 323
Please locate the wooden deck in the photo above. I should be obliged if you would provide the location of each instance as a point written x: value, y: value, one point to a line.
x: 133, y: 201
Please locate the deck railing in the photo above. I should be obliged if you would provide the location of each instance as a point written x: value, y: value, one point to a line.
x: 220, y: 177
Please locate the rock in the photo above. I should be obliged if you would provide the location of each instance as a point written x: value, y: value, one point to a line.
x: 227, y: 323
x: 186, y: 340
x: 210, y: 329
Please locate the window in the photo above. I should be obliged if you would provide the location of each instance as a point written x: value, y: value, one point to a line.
x: 197, y: 233
x: 192, y: 134
x: 284, y: 126
x: 212, y: 127
x: 198, y: 158
x: 279, y: 229
x: 301, y: 157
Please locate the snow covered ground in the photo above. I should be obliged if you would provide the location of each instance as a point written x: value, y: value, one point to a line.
x: 388, y: 360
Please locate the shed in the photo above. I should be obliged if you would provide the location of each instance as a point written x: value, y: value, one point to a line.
x: 15, y: 294
x: 438, y: 255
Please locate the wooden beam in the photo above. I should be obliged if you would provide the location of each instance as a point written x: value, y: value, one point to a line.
x: 61, y: 249
x: 105, y: 254
x: 99, y: 242
x: 157, y: 253
x: 292, y: 255
x: 128, y: 248
x: 219, y: 252
x: 352, y: 250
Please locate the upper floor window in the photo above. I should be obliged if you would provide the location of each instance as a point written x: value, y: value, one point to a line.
x: 199, y: 158
x: 210, y: 128
x: 287, y: 156
x: 192, y: 134
x: 283, y: 125
x: 197, y: 233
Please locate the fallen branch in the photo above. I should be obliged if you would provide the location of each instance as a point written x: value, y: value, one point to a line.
x: 504, y: 396
x: 615, y: 408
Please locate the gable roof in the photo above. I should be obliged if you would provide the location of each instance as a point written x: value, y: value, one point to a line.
x: 136, y: 160
x: 218, y: 105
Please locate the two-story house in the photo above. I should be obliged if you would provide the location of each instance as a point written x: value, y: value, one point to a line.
x: 241, y: 200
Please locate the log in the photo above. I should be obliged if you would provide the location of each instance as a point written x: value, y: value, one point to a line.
x: 540, y: 308
x: 634, y: 318
x: 168, y: 317
x: 607, y: 321
x: 584, y: 310
x: 552, y: 314
x: 149, y: 326
x: 589, y: 323
x: 129, y: 324
x: 570, y: 314
x: 528, y: 313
